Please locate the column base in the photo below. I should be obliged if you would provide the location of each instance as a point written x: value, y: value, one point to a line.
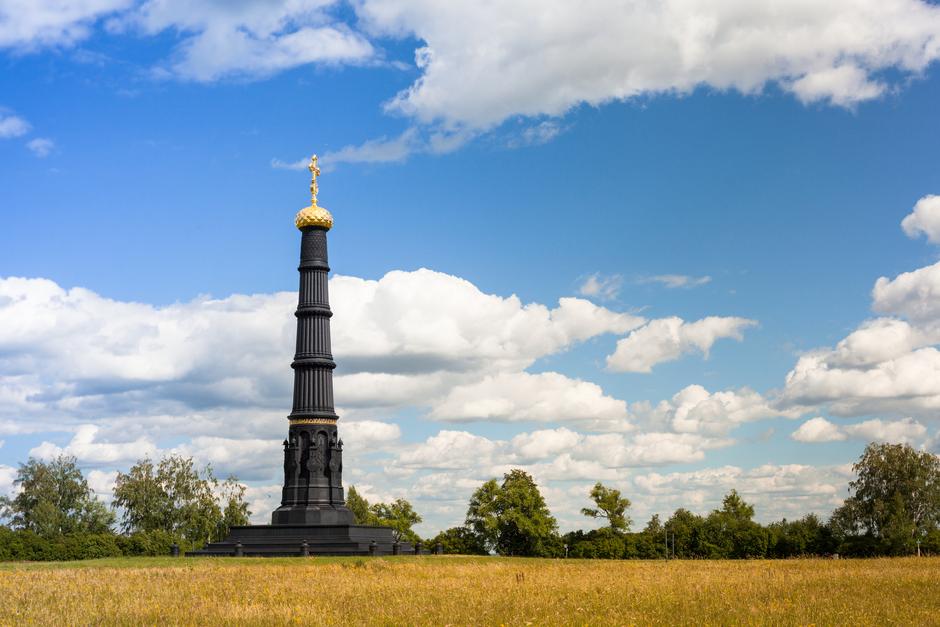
x: 312, y: 515
x: 306, y: 540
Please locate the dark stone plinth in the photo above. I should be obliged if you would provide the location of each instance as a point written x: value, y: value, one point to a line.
x: 312, y: 515
x: 288, y: 541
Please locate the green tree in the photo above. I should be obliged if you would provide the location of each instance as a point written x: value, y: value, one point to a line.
x: 512, y: 518
x: 195, y: 512
x: 609, y: 505
x: 651, y: 542
x: 604, y: 543
x: 896, y: 499
x: 359, y: 506
x: 459, y: 541
x: 730, y: 532
x: 848, y: 534
x: 736, y: 508
x: 400, y: 516
x: 483, y: 514
x: 235, y: 510
x: 794, y: 538
x: 175, y: 497
x: 684, y: 530
x: 145, y: 503
x: 54, y: 499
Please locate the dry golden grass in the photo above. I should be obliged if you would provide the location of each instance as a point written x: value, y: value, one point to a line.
x: 471, y: 591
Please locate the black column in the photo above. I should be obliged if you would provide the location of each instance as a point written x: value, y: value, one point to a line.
x: 313, y: 485
x: 313, y: 360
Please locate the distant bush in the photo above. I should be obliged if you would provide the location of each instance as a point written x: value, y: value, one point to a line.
x: 88, y: 546
x: 602, y: 543
x: 458, y: 541
x: 29, y: 546
x: 19, y: 545
x: 23, y: 545
x: 150, y: 543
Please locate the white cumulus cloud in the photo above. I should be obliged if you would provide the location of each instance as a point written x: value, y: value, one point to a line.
x: 906, y: 431
x: 86, y: 446
x: 907, y: 383
x: 887, y: 365
x: 249, y: 39
x: 7, y: 477
x: 925, y: 219
x: 668, y: 339
x: 818, y: 429
x: 425, y: 321
x: 102, y: 483
x: 543, y: 443
x: 30, y: 24
x: 484, y: 62
x: 420, y: 338
x: 462, y: 450
x: 544, y: 397
x: 451, y: 450
x: 696, y: 410
x: 369, y: 434
x: 914, y: 295
x: 842, y: 84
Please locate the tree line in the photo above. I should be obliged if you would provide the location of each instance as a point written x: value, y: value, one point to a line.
x: 893, y: 509
x: 55, y: 515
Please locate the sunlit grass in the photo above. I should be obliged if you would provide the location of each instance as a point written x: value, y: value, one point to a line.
x: 456, y: 590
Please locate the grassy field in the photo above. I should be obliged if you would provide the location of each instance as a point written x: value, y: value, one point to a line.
x: 464, y: 591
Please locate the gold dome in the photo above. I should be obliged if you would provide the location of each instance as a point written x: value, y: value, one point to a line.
x: 314, y: 215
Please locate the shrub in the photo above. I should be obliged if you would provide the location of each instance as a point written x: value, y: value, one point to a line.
x: 22, y: 545
x: 149, y: 543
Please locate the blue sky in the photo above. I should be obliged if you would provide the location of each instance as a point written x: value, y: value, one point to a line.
x: 714, y: 179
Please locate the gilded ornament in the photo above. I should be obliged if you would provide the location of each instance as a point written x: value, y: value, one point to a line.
x: 314, y: 215
x: 313, y: 421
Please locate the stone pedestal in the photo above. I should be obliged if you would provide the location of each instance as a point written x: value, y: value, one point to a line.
x: 288, y: 541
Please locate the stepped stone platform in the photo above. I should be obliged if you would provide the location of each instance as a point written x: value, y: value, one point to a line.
x: 302, y: 540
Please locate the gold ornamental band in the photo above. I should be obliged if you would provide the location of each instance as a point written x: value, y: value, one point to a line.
x: 313, y: 421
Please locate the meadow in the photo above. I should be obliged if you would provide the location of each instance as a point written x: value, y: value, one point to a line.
x: 454, y: 590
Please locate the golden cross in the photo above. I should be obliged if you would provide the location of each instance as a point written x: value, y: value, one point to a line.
x: 314, y: 172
